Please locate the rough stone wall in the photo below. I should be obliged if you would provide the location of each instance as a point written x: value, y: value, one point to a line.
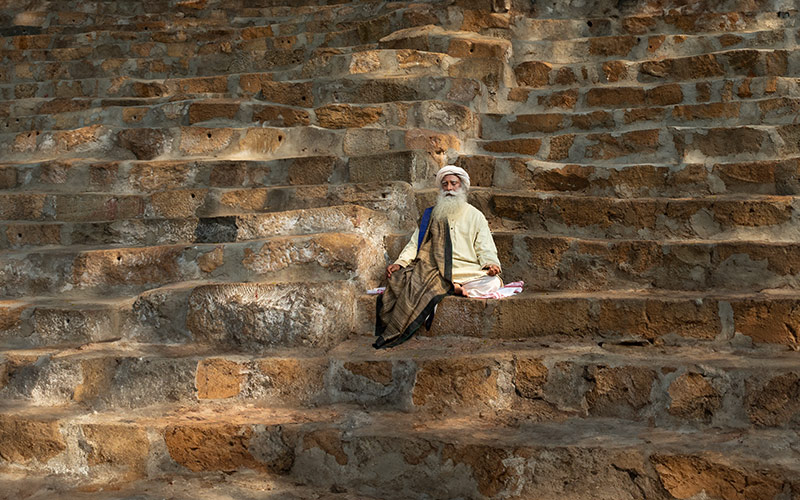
x: 194, y: 195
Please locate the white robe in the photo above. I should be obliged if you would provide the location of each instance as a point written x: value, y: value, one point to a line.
x: 473, y: 246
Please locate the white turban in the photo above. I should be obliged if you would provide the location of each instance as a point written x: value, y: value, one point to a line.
x: 452, y: 170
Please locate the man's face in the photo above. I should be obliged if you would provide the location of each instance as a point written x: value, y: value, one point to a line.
x: 451, y: 185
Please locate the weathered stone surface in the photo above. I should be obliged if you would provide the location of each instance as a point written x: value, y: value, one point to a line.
x: 219, y: 378
x: 23, y: 440
x: 119, y: 267
x: 619, y: 390
x: 199, y: 141
x: 261, y: 140
x: 346, y: 116
x: 530, y: 376
x: 201, y: 111
x: 118, y: 447
x: 255, y: 316
x: 693, y: 397
x: 533, y: 74
x: 220, y: 447
x: 776, y: 402
x: 685, y: 476
x: 452, y: 383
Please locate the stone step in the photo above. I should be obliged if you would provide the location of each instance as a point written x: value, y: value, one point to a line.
x: 631, y: 48
x: 66, y: 113
x: 22, y: 486
x: 479, y: 457
x: 81, y: 271
x: 665, y: 386
x: 111, y: 143
x: 748, y: 217
x: 551, y: 89
x: 395, y: 199
x: 767, y: 111
x: 549, y: 263
x: 74, y: 22
x: 155, y: 231
x: 637, y: 315
x: 660, y: 145
x: 324, y: 313
x: 229, y: 316
x: 781, y: 177
x: 668, y: 21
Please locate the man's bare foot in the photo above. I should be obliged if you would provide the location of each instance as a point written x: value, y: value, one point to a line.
x: 459, y: 290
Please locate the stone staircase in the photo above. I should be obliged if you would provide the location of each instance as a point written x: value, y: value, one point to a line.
x: 195, y: 195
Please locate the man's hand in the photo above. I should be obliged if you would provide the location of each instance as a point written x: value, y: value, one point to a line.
x: 391, y: 269
x: 492, y: 269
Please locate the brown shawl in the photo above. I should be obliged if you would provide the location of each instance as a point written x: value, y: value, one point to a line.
x: 413, y: 292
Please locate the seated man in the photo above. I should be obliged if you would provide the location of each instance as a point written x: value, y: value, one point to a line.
x: 451, y: 253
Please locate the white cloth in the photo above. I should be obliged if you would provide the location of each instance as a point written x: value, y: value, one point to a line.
x: 512, y: 288
x: 482, y: 287
x: 452, y: 170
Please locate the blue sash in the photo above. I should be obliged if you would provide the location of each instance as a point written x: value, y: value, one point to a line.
x: 423, y: 225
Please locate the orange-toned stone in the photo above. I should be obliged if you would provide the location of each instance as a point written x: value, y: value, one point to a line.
x: 479, y: 168
x: 23, y: 440
x: 595, y: 119
x: 518, y: 94
x: 218, y: 378
x: 664, y: 95
x: 615, y: 97
x: 686, y: 476
x: 708, y: 111
x: 565, y: 76
x: 530, y: 376
x: 560, y: 146
x: 33, y: 234
x: 693, y: 397
x: 639, y: 25
x: 209, y: 261
x: 544, y: 122
x: 294, y: 379
x: 776, y: 402
x: 729, y: 141
x: 620, y: 390
x: 327, y: 440
x: 261, y: 140
x: 158, y: 176
x: 488, y: 465
x: 199, y: 141
x: 443, y: 384
x: 281, y: 116
x: 338, y: 116
x: 201, y: 111
x: 533, y: 74
x: 775, y: 321
x: 685, y: 68
x: 433, y: 142
x: 377, y: 371
x: 133, y: 115
x: 521, y: 146
x: 124, y: 266
x: 177, y: 204
x: 610, y: 146
x: 203, y: 85
x: 118, y: 446
x: 222, y: 447
x: 311, y: 170
x: 609, y: 46
x: 144, y: 143
x: 288, y: 93
x: 615, y: 71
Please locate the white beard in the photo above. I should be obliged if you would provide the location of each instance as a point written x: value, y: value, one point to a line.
x: 450, y: 204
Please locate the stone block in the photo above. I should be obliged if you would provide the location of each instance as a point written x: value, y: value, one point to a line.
x: 261, y: 140
x: 692, y: 397
x: 533, y: 74
x: 610, y: 146
x: 281, y: 116
x: 258, y: 316
x: 145, y: 143
x: 23, y: 440
x: 619, y: 391
x: 775, y: 402
x: 527, y: 147
x: 203, y: 141
x: 443, y: 384
x: 201, y: 111
x: 612, y: 46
